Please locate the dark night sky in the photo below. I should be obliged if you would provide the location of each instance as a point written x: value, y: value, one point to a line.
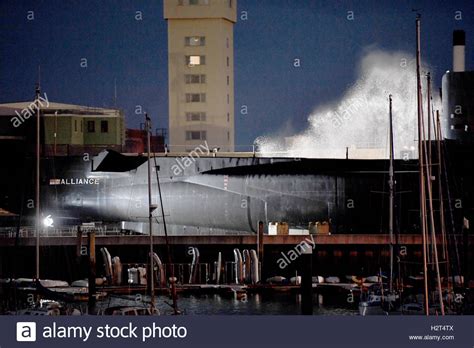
x: 277, y: 94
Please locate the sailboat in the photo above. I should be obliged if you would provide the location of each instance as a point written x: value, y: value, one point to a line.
x: 378, y: 301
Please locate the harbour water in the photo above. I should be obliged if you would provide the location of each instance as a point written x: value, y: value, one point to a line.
x: 250, y: 304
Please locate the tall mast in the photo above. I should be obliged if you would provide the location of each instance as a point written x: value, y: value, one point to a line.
x: 115, y: 92
x: 428, y: 158
x: 428, y: 97
x: 432, y: 225
x: 151, y: 208
x: 420, y: 161
x: 391, y: 184
x: 37, y: 181
x: 173, y: 283
x: 440, y: 192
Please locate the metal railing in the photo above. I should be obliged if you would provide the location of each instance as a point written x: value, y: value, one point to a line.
x: 30, y: 232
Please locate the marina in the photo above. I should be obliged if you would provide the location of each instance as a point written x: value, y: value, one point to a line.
x: 100, y: 219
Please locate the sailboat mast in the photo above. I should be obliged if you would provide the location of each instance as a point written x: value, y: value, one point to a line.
x: 391, y: 184
x: 168, y: 249
x: 428, y: 87
x: 428, y: 158
x: 432, y: 225
x: 420, y: 161
x: 440, y: 191
x: 150, y: 214
x: 37, y: 181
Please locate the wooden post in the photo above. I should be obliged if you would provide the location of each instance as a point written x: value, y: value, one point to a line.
x: 79, y: 245
x: 260, y: 247
x: 92, y: 271
x: 307, y: 280
x: 466, y: 268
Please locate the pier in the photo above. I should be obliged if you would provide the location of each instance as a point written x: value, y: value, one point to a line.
x: 7, y: 240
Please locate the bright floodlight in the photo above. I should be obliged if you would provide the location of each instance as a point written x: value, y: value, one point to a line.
x: 48, y: 221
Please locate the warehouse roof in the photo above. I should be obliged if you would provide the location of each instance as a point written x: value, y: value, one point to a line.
x: 49, y: 108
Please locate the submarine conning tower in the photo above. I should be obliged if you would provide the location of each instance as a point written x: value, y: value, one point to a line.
x: 458, y: 96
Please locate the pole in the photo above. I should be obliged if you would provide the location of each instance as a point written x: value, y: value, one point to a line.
x: 92, y: 272
x: 428, y: 86
x: 428, y: 156
x: 307, y: 280
x: 150, y: 215
x: 55, y: 131
x: 466, y: 268
x: 441, y: 198
x: 440, y: 187
x: 79, y: 245
x: 432, y: 225
x: 115, y: 92
x: 391, y: 185
x: 168, y: 249
x: 420, y: 161
x: 260, y: 246
x: 37, y: 184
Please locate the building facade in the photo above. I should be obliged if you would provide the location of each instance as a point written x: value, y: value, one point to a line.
x: 201, y: 73
x: 66, y: 129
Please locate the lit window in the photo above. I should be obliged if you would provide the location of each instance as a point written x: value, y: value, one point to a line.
x: 90, y: 126
x: 196, y: 135
x: 195, y: 97
x: 195, y: 116
x: 194, y: 41
x: 104, y: 126
x: 193, y: 2
x: 195, y: 60
x: 194, y: 78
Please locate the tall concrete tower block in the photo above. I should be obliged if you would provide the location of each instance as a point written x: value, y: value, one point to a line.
x: 201, y: 73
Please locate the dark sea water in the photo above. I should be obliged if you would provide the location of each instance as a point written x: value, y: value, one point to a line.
x: 252, y: 304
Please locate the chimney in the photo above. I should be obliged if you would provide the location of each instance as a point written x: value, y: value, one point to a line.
x: 459, y: 44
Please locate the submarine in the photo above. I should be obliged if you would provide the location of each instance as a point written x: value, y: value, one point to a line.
x: 216, y: 195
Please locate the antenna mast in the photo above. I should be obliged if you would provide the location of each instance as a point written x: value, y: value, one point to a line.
x: 37, y: 181
x: 391, y: 184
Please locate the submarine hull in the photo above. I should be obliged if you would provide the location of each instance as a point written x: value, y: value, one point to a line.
x: 210, y: 195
